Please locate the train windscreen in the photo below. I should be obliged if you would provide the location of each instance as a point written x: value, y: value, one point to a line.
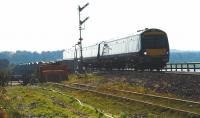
x: 154, y: 41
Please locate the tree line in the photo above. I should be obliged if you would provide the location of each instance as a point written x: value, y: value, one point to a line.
x: 27, y: 56
x: 184, y: 57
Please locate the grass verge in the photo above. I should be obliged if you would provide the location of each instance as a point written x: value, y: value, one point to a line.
x: 31, y: 101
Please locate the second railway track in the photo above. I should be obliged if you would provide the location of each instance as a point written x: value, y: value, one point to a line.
x: 186, y: 107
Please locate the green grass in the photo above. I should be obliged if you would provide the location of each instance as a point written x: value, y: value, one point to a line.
x: 83, y: 78
x: 118, y: 107
x: 25, y: 101
x: 105, y: 82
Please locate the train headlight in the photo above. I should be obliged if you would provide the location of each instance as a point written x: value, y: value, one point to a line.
x: 167, y: 52
x: 145, y: 53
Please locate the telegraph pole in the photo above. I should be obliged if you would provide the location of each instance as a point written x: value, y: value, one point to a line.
x: 80, y: 39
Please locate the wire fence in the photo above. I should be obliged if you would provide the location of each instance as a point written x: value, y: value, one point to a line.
x: 182, y: 67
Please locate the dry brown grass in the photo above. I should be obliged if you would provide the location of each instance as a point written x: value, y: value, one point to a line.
x: 3, y: 114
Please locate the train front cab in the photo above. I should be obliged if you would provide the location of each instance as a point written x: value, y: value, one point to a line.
x: 154, y: 49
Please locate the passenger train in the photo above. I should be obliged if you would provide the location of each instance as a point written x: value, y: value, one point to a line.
x: 148, y: 49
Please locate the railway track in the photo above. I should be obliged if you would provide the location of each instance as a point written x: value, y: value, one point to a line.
x: 82, y: 104
x: 147, y: 71
x: 188, y: 107
x: 137, y: 93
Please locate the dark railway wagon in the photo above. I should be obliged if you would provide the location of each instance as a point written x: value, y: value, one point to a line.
x: 148, y: 49
x: 53, y: 73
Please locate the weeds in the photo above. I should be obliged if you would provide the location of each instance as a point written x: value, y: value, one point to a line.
x: 31, y: 101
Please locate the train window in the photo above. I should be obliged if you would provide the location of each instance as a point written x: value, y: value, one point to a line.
x: 106, y: 49
x: 154, y: 41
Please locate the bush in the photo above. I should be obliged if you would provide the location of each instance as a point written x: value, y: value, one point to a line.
x: 123, y: 115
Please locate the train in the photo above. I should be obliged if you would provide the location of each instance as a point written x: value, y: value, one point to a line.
x: 147, y: 49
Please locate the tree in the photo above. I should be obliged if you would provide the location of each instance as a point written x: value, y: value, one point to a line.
x: 3, y: 78
x: 3, y: 63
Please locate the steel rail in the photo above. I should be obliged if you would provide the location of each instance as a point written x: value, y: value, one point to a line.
x: 82, y: 104
x: 128, y: 99
x: 137, y: 93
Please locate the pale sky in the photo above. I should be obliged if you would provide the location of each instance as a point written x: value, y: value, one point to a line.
x: 41, y: 25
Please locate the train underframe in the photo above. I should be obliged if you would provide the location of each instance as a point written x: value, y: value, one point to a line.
x: 126, y: 61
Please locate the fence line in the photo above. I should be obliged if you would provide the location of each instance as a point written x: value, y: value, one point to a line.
x: 186, y: 67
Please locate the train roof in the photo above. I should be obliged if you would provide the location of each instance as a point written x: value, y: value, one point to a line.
x: 107, y: 41
x: 149, y: 30
x: 139, y: 32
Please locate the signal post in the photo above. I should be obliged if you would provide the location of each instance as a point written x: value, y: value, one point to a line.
x: 80, y: 39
